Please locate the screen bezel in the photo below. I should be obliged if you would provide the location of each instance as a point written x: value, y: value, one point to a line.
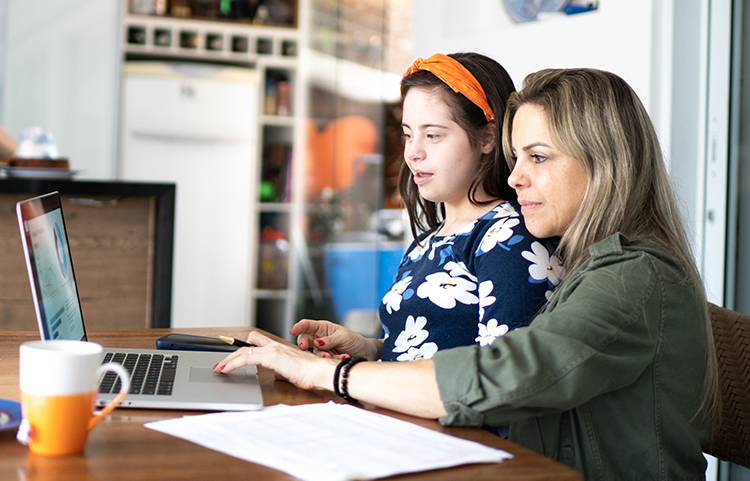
x: 28, y: 210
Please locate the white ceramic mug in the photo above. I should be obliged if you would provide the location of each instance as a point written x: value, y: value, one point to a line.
x: 58, y: 390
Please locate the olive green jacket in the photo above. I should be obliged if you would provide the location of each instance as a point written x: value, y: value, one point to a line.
x: 607, y: 380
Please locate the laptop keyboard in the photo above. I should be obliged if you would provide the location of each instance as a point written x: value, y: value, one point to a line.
x: 149, y: 373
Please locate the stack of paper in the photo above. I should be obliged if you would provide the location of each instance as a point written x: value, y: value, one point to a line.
x: 300, y: 440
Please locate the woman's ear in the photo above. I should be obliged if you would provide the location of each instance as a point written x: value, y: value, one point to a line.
x: 490, y: 138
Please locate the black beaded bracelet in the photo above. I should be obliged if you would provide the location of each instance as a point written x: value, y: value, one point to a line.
x: 342, y: 371
x: 336, y: 375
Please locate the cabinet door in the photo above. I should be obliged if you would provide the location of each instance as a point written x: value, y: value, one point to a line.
x: 62, y: 65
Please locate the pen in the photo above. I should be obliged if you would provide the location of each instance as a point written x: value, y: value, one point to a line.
x: 238, y: 343
x: 235, y: 342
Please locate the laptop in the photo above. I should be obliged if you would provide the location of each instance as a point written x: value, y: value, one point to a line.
x: 159, y: 379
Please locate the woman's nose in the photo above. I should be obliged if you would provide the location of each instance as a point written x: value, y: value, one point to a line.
x: 517, y: 178
x: 413, y: 150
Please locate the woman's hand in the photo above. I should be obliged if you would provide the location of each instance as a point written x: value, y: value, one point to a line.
x: 334, y: 340
x: 298, y: 367
x: 409, y: 387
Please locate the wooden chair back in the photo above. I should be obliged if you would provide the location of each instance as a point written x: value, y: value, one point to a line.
x: 731, y: 438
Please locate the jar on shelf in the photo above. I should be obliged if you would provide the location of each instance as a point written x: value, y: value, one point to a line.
x: 282, y: 98
x: 277, y: 99
x: 145, y: 7
x: 273, y: 264
x: 180, y: 8
x: 205, y: 8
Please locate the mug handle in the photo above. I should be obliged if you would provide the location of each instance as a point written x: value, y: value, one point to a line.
x: 125, y: 387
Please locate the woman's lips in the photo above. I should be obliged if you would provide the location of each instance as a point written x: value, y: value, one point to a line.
x: 421, y: 177
x: 528, y: 206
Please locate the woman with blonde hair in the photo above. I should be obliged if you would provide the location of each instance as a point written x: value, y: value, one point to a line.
x: 616, y: 377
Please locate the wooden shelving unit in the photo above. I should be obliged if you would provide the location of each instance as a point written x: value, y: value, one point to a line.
x: 274, y: 52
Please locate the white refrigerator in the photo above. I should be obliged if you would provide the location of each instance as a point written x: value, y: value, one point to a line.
x: 197, y: 125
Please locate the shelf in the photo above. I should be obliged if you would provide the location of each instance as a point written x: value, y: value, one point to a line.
x: 278, y: 120
x: 278, y: 294
x: 281, y: 14
x: 275, y: 207
x: 200, y: 39
x: 273, y: 52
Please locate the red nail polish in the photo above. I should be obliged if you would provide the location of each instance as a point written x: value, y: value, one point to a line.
x: 222, y: 367
x: 345, y: 356
x: 320, y: 342
x: 215, y: 365
x: 324, y: 355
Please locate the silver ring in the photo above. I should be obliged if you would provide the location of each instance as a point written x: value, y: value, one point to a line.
x: 250, y: 349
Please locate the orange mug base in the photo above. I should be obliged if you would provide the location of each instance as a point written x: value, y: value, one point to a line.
x: 59, y: 424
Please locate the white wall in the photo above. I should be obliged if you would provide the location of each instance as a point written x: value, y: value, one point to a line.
x: 61, y: 73
x: 616, y: 37
x: 657, y: 46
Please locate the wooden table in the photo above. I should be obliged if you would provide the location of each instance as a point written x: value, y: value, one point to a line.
x: 120, y: 448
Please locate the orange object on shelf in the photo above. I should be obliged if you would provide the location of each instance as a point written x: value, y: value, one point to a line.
x: 332, y: 152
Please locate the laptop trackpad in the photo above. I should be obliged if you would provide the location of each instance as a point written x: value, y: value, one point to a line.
x: 206, y: 374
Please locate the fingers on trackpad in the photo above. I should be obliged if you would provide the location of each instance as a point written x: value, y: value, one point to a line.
x: 206, y: 374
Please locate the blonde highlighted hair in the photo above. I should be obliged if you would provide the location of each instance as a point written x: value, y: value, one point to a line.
x: 596, y: 118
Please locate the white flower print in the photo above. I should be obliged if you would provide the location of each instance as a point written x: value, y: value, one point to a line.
x: 412, y: 335
x: 456, y: 269
x: 435, y: 245
x: 490, y: 332
x: 392, y: 298
x: 485, y: 299
x: 500, y: 231
x: 444, y: 290
x: 505, y: 209
x: 544, y: 266
x: 417, y: 353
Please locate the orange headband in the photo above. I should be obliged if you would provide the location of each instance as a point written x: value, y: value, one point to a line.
x: 457, y: 77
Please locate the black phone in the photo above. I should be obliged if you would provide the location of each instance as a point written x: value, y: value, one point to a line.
x: 187, y: 342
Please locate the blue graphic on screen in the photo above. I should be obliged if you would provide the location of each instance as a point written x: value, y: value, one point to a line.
x: 62, y: 259
x: 60, y: 308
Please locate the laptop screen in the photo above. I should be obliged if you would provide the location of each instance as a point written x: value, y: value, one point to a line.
x: 45, y: 244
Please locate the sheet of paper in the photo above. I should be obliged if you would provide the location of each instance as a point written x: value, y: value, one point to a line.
x: 328, y: 442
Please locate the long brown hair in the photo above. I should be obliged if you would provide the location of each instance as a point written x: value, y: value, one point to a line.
x: 424, y: 215
x: 596, y: 118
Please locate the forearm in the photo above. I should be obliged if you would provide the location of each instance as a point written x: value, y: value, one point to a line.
x: 408, y: 387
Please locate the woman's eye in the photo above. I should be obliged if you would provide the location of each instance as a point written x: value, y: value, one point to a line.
x: 432, y: 136
x: 405, y: 137
x: 538, y: 158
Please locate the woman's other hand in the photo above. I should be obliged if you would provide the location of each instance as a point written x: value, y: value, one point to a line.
x: 298, y: 367
x: 334, y: 340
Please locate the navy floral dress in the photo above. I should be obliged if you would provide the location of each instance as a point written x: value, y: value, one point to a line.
x: 471, y: 287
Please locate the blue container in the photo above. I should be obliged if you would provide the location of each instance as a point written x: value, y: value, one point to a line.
x: 359, y: 274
